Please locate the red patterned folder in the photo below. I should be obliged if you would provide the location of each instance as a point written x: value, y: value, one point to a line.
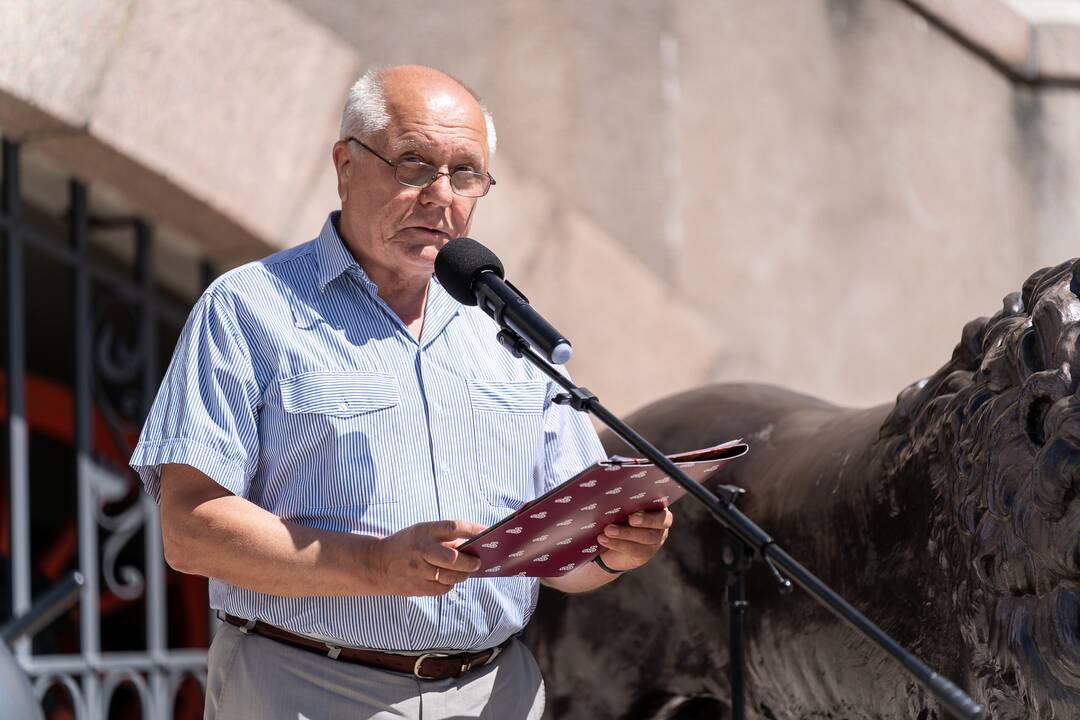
x: 557, y: 531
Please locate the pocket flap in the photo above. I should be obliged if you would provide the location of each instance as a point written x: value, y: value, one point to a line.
x: 338, y: 393
x: 508, y: 397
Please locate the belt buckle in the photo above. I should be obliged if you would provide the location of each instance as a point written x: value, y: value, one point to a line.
x: 421, y: 658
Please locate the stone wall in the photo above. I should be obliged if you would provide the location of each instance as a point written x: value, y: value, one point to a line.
x: 815, y: 193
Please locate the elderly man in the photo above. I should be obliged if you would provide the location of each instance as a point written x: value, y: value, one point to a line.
x: 333, y: 424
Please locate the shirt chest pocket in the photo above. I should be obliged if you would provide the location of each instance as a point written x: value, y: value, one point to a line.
x: 340, y: 432
x: 508, y: 433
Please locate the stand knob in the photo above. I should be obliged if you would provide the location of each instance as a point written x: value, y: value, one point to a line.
x: 785, y: 585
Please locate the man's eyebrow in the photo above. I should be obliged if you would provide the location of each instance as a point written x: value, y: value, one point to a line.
x: 401, y: 147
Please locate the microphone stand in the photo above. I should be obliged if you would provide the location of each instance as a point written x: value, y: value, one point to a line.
x: 748, y: 542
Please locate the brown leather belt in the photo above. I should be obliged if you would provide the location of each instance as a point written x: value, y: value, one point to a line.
x: 427, y: 666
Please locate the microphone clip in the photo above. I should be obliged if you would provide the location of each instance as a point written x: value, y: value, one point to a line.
x: 579, y: 398
x: 513, y: 342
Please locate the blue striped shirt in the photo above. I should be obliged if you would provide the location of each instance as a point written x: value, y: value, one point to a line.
x: 293, y: 385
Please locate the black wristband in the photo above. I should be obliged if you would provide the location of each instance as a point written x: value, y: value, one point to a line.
x: 605, y: 567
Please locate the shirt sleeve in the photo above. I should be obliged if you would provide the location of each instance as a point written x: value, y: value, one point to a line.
x: 570, y: 441
x: 206, y: 411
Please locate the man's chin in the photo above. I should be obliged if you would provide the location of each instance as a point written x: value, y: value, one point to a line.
x: 422, y: 259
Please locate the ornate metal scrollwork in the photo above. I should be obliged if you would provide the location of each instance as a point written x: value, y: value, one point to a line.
x: 118, y: 360
x: 108, y: 488
x: 118, y: 354
x: 78, y: 700
x: 117, y: 678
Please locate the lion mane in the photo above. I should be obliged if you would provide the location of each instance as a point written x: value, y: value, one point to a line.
x: 997, y: 432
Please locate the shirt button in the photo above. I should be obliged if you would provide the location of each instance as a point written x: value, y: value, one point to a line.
x: 343, y: 405
x: 439, y: 409
x: 453, y: 594
x: 445, y: 467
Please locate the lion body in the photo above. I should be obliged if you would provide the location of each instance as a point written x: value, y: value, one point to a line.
x: 950, y: 518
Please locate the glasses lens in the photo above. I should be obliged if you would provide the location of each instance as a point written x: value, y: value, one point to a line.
x: 414, y: 174
x: 470, y: 184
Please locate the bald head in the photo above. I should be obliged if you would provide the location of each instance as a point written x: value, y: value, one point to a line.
x: 380, y: 95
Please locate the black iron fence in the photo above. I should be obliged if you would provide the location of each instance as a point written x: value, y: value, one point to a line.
x: 85, y: 336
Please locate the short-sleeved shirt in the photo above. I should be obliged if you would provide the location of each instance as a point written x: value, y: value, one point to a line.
x: 294, y: 386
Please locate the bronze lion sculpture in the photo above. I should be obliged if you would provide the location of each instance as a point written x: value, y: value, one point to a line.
x: 949, y: 517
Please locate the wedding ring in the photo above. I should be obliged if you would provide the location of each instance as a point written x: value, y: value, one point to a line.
x: 437, y: 574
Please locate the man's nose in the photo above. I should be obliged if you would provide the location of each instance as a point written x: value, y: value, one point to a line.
x: 438, y: 193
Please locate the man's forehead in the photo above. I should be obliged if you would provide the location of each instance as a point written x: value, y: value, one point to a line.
x: 439, y: 110
x: 444, y: 103
x: 429, y: 108
x: 422, y: 143
x: 413, y: 131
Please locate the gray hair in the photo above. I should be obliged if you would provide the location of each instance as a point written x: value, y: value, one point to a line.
x: 365, y: 110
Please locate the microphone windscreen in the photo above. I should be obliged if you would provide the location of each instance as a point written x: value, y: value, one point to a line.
x: 459, y: 263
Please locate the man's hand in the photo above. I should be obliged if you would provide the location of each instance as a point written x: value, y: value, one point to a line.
x: 631, y: 546
x: 422, y: 559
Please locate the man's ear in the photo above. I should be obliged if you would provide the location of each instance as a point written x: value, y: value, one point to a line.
x: 343, y: 163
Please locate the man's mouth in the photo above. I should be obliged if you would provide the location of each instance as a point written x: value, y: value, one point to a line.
x: 431, y: 233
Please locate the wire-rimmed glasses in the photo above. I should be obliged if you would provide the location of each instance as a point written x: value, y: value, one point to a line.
x: 418, y: 174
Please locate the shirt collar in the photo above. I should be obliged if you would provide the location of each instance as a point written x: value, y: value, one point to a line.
x: 439, y: 311
x: 334, y: 258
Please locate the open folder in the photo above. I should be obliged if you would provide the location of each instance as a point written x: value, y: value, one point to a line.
x: 556, y: 532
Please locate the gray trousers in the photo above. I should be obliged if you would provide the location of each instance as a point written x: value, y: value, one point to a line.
x: 255, y: 678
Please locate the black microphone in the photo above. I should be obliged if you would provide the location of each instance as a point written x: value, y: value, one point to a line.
x: 473, y: 275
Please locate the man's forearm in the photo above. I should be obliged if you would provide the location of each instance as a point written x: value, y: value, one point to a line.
x: 234, y: 540
x: 229, y: 538
x: 585, y: 578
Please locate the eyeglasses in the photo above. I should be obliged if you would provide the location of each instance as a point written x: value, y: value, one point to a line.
x: 413, y: 173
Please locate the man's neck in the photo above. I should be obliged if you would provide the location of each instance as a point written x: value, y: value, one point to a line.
x: 405, y: 294
x: 407, y: 297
